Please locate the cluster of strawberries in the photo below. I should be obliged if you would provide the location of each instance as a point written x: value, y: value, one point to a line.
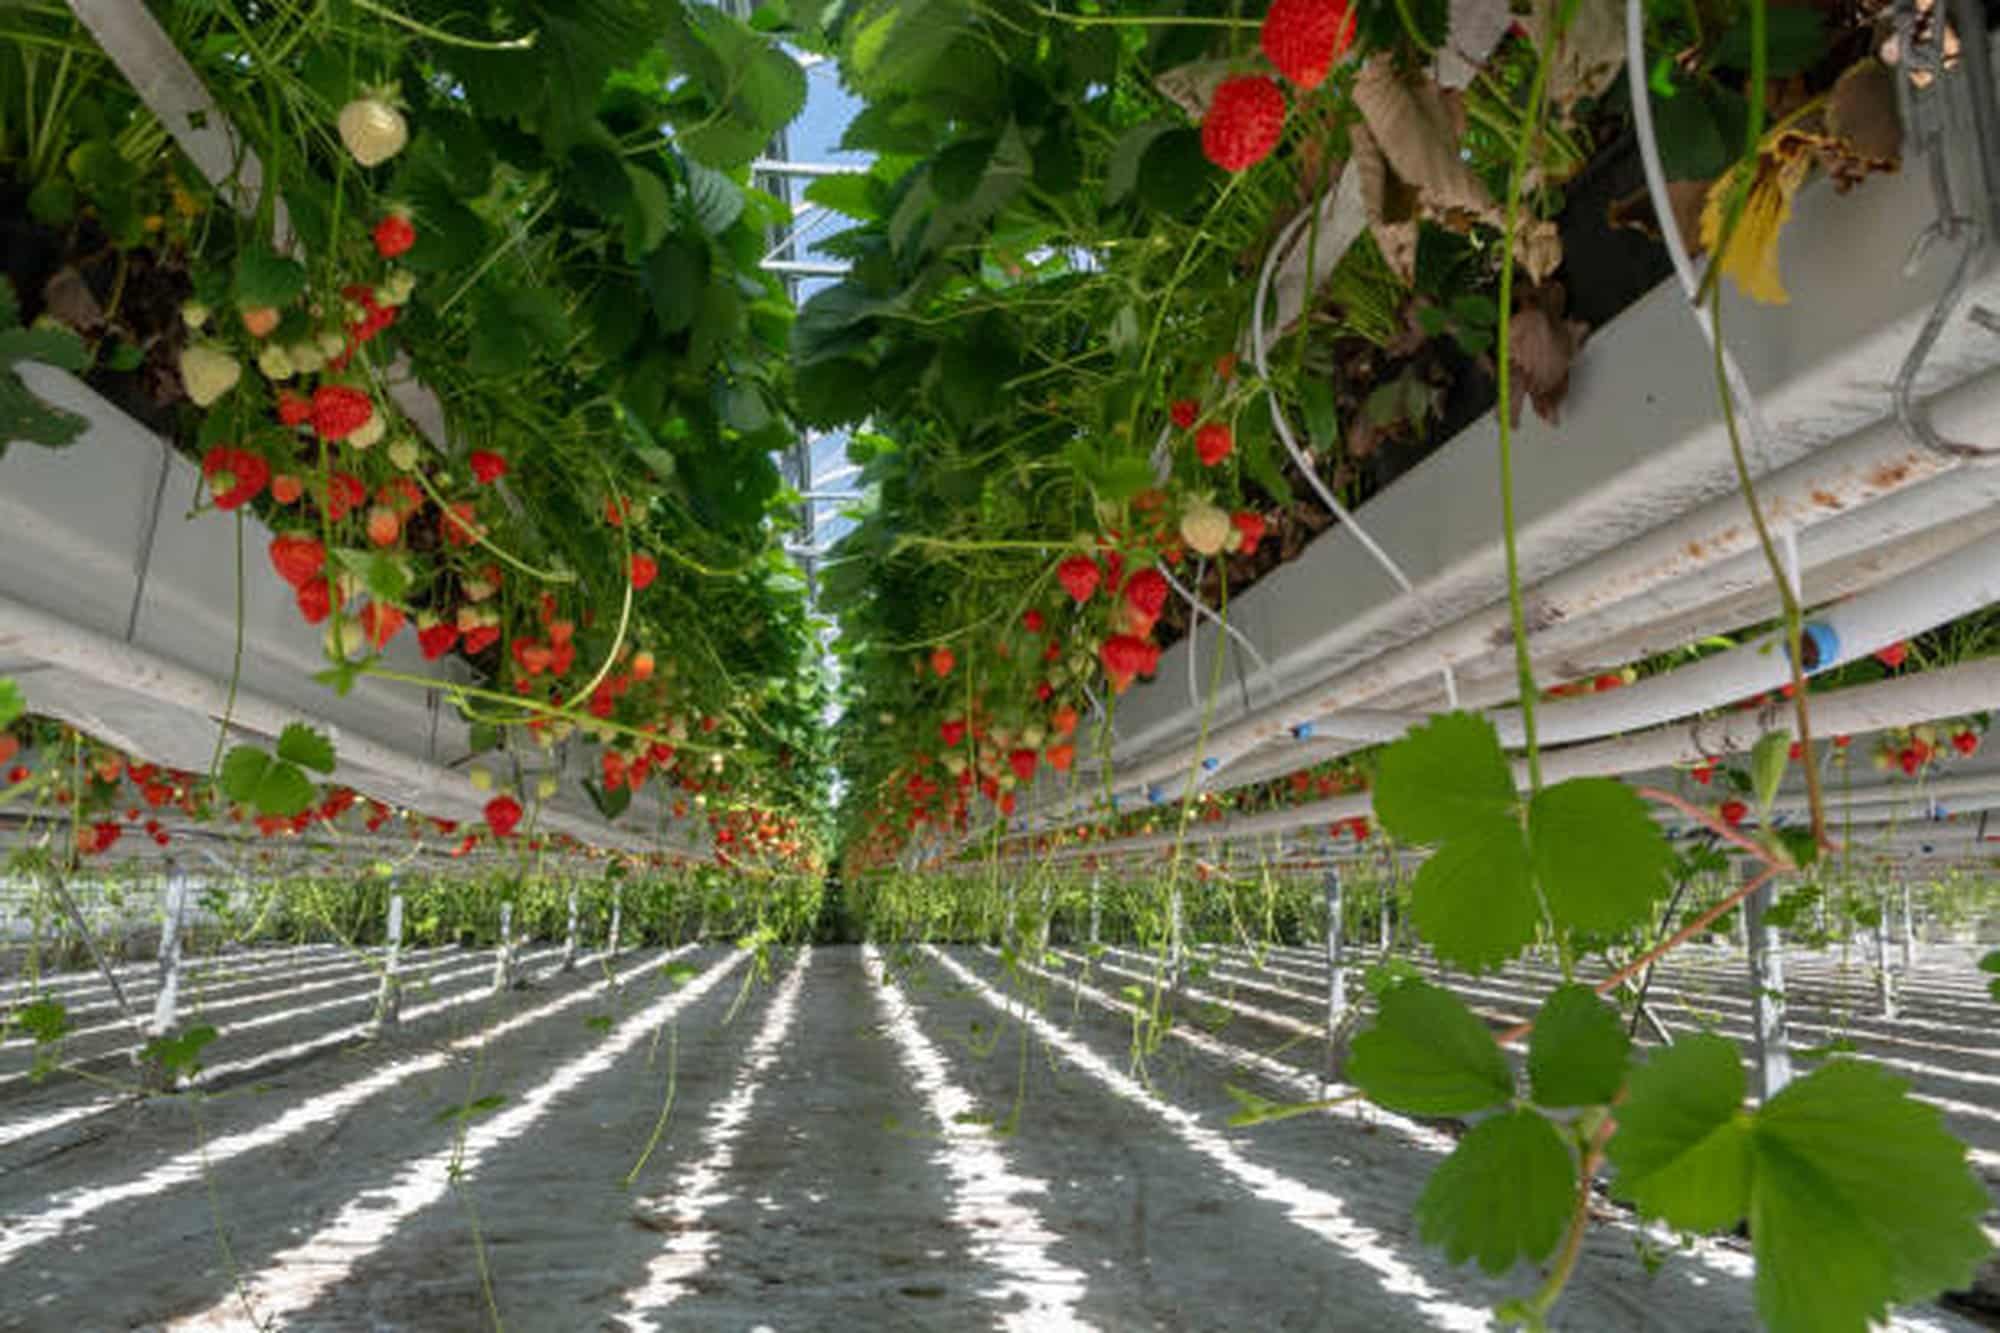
x: 1246, y: 113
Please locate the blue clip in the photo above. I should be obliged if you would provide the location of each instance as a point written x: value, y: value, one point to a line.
x: 1302, y: 732
x: 1156, y: 793
x: 1819, y: 645
x: 1210, y: 764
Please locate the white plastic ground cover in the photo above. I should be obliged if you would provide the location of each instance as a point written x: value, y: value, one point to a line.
x: 118, y: 615
x: 297, y: 1277
x: 1314, y: 1210
x: 65, y: 1211
x: 15, y: 1131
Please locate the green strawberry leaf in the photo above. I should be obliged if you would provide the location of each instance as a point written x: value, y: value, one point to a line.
x: 1473, y: 901
x: 1427, y: 1054
x: 44, y: 1020
x: 1601, y: 860
x: 301, y: 745
x: 1682, y: 1150
x: 272, y: 786
x: 1503, y: 1195
x: 1860, y: 1201
x: 1444, y: 778
x: 1578, y: 1053
x: 12, y: 702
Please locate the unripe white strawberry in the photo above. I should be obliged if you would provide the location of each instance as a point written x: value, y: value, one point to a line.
x: 373, y: 130
x: 275, y: 363
x: 368, y: 432
x: 207, y: 373
x: 1205, y: 528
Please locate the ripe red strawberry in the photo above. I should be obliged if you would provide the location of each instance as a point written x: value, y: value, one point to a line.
x: 1911, y: 760
x: 383, y: 526
x: 1245, y: 119
x: 1023, y: 762
x: 400, y: 495
x: 951, y: 732
x: 644, y: 570
x: 338, y: 411
x: 459, y: 527
x: 487, y: 467
x: 381, y: 622
x: 1251, y: 525
x: 1610, y: 680
x: 293, y: 409
x: 1185, y: 412
x: 1213, y: 443
x: 1079, y: 576
x: 1965, y: 742
x: 18, y: 774
x: 1842, y: 742
x: 1060, y: 757
x: 344, y: 495
x: 502, y: 814
x: 297, y: 558
x: 1126, y: 656
x: 942, y: 661
x: 9, y: 747
x: 1146, y: 594
x: 1303, y: 38
x: 1031, y: 621
x: 394, y: 236
x: 1703, y: 774
x: 479, y: 638
x: 1044, y: 691
x: 286, y: 488
x: 234, y: 476
x: 315, y: 601
x: 1894, y: 655
x: 1064, y: 720
x: 1732, y: 812
x: 437, y: 639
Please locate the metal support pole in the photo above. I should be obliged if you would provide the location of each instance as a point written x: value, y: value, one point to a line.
x: 1336, y: 974
x: 389, y: 1002
x: 503, y: 962
x: 173, y: 902
x: 1767, y: 982
x: 1096, y: 907
x: 569, y: 939
x: 82, y: 928
x: 1885, y: 981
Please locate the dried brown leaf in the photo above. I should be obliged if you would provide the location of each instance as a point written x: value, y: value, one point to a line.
x: 1542, y: 344
x: 1476, y: 28
x: 1389, y: 203
x: 1591, y: 53
x: 69, y: 300
x: 1861, y: 110
x: 1539, y: 248
x: 1413, y: 123
x: 1190, y: 86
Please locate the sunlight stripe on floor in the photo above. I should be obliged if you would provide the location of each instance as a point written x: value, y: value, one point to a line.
x: 698, y: 1190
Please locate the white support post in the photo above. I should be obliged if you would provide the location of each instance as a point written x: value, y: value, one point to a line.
x: 1885, y: 981
x: 1909, y: 932
x: 1042, y: 928
x: 1336, y: 973
x: 1096, y: 907
x: 617, y: 905
x: 389, y: 1002
x: 1176, y: 957
x: 173, y: 902
x: 569, y: 939
x: 503, y: 961
x: 1382, y: 917
x: 1767, y: 985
